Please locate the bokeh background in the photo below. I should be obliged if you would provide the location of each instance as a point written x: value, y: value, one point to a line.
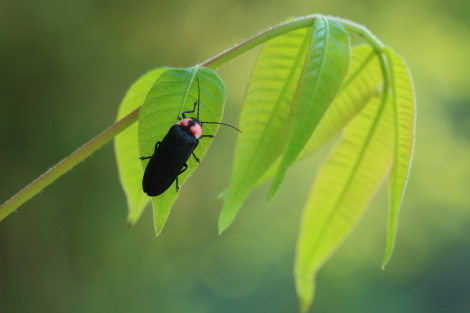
x: 65, y: 66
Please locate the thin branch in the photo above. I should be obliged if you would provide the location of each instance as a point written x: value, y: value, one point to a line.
x: 254, y: 41
x: 66, y: 164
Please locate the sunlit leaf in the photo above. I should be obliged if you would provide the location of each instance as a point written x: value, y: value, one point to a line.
x: 362, y: 82
x: 325, y: 67
x: 175, y: 92
x: 344, y: 186
x: 264, y: 115
x: 403, y: 99
x: 127, y: 147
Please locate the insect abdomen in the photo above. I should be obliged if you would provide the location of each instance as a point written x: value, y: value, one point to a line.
x: 168, y: 160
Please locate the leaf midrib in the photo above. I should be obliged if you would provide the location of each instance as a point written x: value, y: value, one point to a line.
x: 321, y: 69
x: 278, y: 103
x: 358, y: 162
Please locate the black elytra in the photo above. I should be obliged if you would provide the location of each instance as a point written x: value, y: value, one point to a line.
x: 171, y: 154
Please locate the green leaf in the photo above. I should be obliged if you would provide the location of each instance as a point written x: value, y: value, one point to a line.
x: 175, y: 92
x: 344, y: 186
x: 362, y: 82
x: 403, y: 99
x: 321, y: 78
x: 127, y: 148
x: 264, y: 115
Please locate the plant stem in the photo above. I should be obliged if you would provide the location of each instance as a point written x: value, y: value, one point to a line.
x: 66, y: 164
x: 363, y: 32
x: 258, y: 39
x: 375, y: 43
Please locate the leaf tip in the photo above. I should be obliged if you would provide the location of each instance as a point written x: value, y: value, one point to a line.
x: 303, y: 307
x: 131, y: 219
x: 158, y: 231
x: 227, y: 215
x: 223, y: 224
x: 386, y: 259
x: 223, y: 194
x: 271, y: 196
x: 305, y: 288
x: 276, y: 184
x: 390, y: 245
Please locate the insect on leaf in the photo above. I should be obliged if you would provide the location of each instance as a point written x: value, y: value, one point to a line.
x: 176, y: 91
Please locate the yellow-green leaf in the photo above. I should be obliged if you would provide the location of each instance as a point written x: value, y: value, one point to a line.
x: 325, y: 67
x: 344, y: 186
x: 403, y: 99
x: 127, y: 147
x: 362, y: 82
x: 264, y: 115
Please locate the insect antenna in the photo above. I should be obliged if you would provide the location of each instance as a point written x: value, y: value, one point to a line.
x: 221, y: 124
x: 199, y: 104
x: 198, y: 97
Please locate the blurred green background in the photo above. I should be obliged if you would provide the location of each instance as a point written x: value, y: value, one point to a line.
x: 65, y: 66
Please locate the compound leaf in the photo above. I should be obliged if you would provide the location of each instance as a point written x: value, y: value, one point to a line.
x: 362, y: 82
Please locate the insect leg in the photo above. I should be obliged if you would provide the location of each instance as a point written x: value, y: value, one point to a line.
x: 156, y: 147
x: 194, y: 109
x: 195, y: 103
x: 185, y: 167
x: 197, y: 159
x: 208, y: 136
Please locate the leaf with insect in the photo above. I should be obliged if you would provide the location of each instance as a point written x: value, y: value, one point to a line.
x: 176, y: 91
